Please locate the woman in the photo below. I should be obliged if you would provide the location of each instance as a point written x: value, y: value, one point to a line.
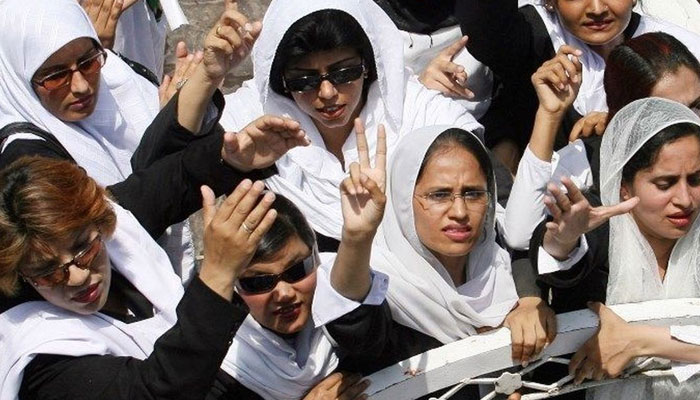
x: 651, y: 158
x: 528, y: 33
x: 657, y: 63
x: 324, y: 63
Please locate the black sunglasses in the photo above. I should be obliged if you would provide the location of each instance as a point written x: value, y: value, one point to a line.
x: 336, y: 77
x: 265, y: 283
x: 88, y: 66
x: 61, y: 274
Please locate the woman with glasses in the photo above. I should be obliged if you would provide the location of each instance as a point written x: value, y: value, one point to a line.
x: 115, y: 316
x: 324, y: 64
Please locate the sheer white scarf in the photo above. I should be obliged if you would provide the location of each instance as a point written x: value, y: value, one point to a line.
x: 591, y: 95
x: 42, y: 328
x: 422, y: 294
x: 634, y: 274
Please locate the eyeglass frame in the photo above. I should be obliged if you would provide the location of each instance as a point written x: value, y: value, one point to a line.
x: 453, y: 197
x: 314, y: 257
x: 65, y: 266
x: 325, y: 77
x: 100, y: 53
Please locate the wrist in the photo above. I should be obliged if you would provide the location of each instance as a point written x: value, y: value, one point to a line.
x: 645, y: 338
x: 551, y: 116
x: 558, y: 248
x: 231, y: 162
x: 218, y: 278
x: 358, y: 238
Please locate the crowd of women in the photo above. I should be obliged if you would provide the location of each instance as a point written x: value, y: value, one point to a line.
x: 398, y: 175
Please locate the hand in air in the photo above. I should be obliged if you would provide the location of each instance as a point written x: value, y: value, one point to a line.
x: 593, y: 123
x: 574, y: 216
x: 233, y: 231
x: 104, y: 15
x: 339, y: 386
x: 362, y: 193
x: 262, y: 142
x: 608, y: 352
x: 446, y: 76
x: 558, y: 80
x: 185, y: 63
x: 228, y: 42
x: 533, y: 325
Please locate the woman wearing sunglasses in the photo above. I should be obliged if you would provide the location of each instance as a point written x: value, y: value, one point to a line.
x: 116, y: 318
x: 325, y: 63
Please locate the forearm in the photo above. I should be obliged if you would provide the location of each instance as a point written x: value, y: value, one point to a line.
x: 544, y: 133
x: 350, y: 275
x: 194, y: 98
x: 656, y: 341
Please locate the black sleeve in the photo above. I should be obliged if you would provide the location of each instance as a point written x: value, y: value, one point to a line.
x: 370, y: 339
x: 167, y: 191
x: 29, y: 147
x: 165, y: 135
x: 183, y: 365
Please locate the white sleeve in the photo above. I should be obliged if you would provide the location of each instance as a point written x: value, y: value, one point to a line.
x: 571, y: 161
x: 525, y: 208
x: 329, y: 305
x: 689, y: 334
x: 546, y: 264
x: 19, y: 136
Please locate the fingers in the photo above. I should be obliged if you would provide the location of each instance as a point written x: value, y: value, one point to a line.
x: 380, y: 158
x: 208, y: 204
x: 246, y: 205
x: 577, y: 360
x: 591, y: 124
x: 560, y: 197
x: 604, y: 213
x: 362, y: 148
x: 285, y: 127
x: 347, y: 380
x: 553, y: 208
x: 355, y: 177
x: 374, y: 190
x: 455, y: 47
x: 551, y: 319
x: 233, y: 199
x: 356, y: 391
x: 265, y: 215
x: 573, y: 192
x: 585, y: 371
x: 517, y: 342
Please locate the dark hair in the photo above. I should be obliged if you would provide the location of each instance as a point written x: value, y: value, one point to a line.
x: 43, y: 201
x: 458, y: 137
x: 633, y: 68
x: 319, y: 31
x: 646, y: 156
x: 290, y: 222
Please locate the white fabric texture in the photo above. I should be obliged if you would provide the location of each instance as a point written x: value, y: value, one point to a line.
x: 422, y: 294
x: 684, y: 13
x: 546, y: 264
x: 42, y: 328
x: 634, y: 272
x: 420, y: 49
x: 591, y: 95
x: 141, y: 38
x: 286, y: 369
x: 310, y: 176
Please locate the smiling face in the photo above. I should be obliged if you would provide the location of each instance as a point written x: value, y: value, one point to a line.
x: 85, y: 291
x: 452, y: 230
x: 669, y: 191
x: 287, y: 307
x: 331, y: 107
x: 595, y: 22
x: 77, y: 100
x: 682, y: 86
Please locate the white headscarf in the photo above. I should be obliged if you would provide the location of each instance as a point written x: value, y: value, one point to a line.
x: 102, y: 143
x: 42, y: 328
x: 422, y: 294
x: 591, y: 95
x: 310, y: 176
x: 634, y: 273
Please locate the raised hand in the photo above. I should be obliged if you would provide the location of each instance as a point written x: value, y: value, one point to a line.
x: 558, y: 80
x: 339, y: 386
x: 262, y: 142
x: 104, y: 15
x: 233, y: 232
x: 228, y: 42
x: 445, y: 76
x: 574, y: 216
x: 533, y: 325
x: 362, y: 193
x: 185, y: 64
x: 594, y: 123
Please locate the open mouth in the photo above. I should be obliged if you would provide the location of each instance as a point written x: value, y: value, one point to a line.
x: 681, y: 220
x: 88, y: 295
x: 288, y: 312
x: 331, y: 112
x: 599, y: 25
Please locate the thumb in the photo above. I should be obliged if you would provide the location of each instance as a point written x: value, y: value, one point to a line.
x: 208, y: 204
x: 607, y: 212
x: 231, y: 144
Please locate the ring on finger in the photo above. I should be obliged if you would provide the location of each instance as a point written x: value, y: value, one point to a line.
x: 180, y: 84
x: 246, y: 227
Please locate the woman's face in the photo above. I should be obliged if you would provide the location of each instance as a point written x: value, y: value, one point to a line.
x: 595, y: 22
x: 669, y: 191
x: 77, y: 100
x: 287, y: 307
x: 682, y: 86
x: 330, y: 106
x: 85, y: 290
x: 451, y: 229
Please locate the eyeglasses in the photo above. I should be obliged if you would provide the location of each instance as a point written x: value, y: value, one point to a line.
x: 265, y: 283
x: 88, y: 66
x: 441, y: 200
x: 61, y: 274
x: 336, y: 77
